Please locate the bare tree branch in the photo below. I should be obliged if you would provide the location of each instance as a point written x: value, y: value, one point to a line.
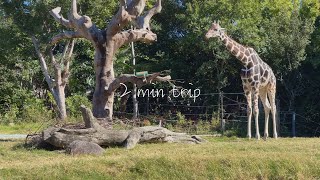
x: 82, y: 24
x: 66, y: 70
x: 71, y: 50
x: 57, y: 68
x: 118, y: 22
x: 128, y: 36
x: 162, y: 78
x: 65, y: 50
x: 59, y: 18
x: 125, y: 15
x: 139, y: 81
x: 65, y: 35
x: 43, y: 64
x: 74, y: 10
x: 135, y: 7
x: 143, y: 22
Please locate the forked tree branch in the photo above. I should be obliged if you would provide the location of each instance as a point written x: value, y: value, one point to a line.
x: 118, y: 21
x: 132, y: 12
x: 143, y: 22
x: 84, y: 28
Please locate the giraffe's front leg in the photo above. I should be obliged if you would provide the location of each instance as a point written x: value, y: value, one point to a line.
x: 256, y: 112
x: 273, y: 111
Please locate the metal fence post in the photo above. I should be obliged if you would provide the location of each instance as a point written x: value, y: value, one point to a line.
x: 294, y: 124
x: 278, y: 117
x: 223, y: 121
x: 147, y: 106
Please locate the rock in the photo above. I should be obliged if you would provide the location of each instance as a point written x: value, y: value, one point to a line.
x: 84, y: 147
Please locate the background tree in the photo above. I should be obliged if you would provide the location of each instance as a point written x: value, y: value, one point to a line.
x: 284, y: 33
x: 57, y: 82
x: 17, y: 38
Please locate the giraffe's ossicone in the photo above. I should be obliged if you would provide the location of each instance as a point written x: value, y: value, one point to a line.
x: 258, y: 80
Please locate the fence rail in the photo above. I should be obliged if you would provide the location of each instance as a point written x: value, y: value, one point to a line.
x: 228, y: 108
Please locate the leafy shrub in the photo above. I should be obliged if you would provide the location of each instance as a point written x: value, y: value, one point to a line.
x: 215, y: 124
x: 169, y: 126
x: 10, y: 116
x: 203, y: 127
x: 34, y: 110
x: 230, y: 133
x: 73, y: 105
x: 181, y: 119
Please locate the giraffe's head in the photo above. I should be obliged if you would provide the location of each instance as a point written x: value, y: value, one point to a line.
x: 215, y: 30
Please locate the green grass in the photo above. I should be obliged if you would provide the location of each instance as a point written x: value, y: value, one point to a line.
x: 22, y: 128
x: 220, y: 158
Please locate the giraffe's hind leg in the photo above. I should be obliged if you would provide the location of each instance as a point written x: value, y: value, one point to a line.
x: 267, y: 108
x: 256, y: 111
x: 272, y: 98
x: 249, y: 109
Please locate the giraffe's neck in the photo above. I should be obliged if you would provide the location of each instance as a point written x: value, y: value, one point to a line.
x: 239, y: 51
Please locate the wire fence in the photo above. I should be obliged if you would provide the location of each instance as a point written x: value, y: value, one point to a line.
x: 228, y: 111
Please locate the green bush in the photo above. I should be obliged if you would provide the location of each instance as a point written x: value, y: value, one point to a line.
x: 10, y: 116
x: 203, y: 127
x: 215, y: 124
x: 34, y: 110
x: 169, y: 126
x: 181, y: 120
x: 73, y: 105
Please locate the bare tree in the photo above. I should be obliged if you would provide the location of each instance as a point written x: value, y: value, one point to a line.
x: 57, y: 82
x: 107, y: 42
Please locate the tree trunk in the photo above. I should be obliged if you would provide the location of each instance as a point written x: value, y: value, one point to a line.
x: 103, y: 102
x: 61, y: 103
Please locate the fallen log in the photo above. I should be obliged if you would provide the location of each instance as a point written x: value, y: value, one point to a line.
x: 95, y: 133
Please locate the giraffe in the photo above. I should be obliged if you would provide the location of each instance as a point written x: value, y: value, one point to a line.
x: 258, y: 80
